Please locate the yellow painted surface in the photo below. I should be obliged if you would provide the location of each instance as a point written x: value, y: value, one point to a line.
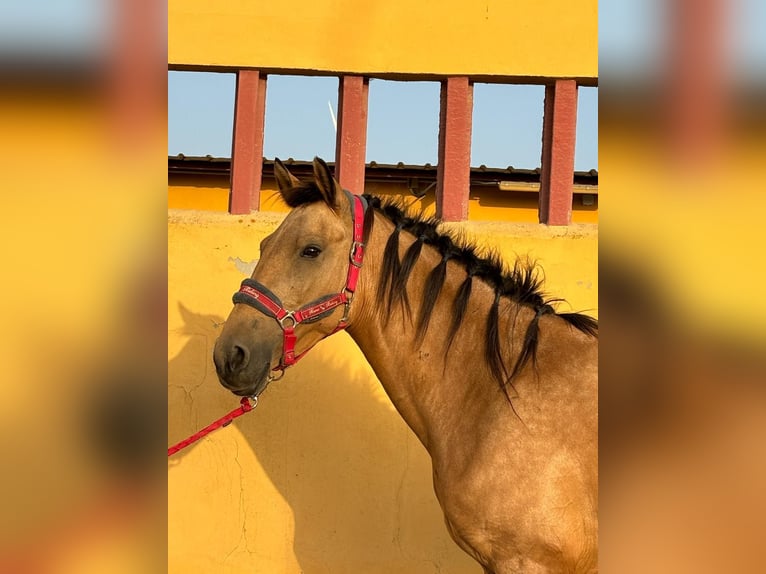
x: 487, y: 204
x: 484, y: 203
x: 208, y: 193
x: 490, y: 38
x: 324, y: 477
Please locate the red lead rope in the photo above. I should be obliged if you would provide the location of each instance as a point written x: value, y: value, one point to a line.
x: 245, y: 407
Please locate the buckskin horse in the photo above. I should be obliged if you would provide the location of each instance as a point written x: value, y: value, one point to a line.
x: 499, y: 387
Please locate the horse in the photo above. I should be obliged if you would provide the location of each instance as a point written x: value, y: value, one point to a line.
x: 499, y: 387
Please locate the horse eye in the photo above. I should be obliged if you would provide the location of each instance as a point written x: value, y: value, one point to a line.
x: 311, y: 251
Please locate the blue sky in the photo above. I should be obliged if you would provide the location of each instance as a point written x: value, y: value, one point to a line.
x: 403, y: 120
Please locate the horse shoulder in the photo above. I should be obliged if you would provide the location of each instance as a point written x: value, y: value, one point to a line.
x: 530, y: 476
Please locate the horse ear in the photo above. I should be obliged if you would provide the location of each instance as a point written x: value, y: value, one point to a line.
x: 285, y: 180
x: 325, y: 182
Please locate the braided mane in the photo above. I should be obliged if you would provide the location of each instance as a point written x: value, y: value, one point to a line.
x: 521, y: 283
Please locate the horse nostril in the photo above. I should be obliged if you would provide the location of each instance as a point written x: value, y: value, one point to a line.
x: 237, y: 359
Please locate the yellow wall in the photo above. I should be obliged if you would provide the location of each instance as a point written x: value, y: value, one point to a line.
x: 209, y: 192
x: 487, y: 38
x: 484, y: 203
x: 324, y: 476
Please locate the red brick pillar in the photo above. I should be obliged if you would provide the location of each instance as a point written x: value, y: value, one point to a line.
x: 557, y: 177
x: 351, y: 139
x: 247, y: 144
x: 453, y: 174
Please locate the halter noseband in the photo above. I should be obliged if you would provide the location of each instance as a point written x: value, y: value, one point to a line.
x: 256, y: 295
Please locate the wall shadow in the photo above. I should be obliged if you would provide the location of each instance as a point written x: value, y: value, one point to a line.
x: 355, y: 477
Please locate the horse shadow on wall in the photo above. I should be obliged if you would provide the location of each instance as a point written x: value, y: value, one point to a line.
x: 356, y: 478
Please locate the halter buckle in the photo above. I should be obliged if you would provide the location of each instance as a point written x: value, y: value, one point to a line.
x: 356, y: 254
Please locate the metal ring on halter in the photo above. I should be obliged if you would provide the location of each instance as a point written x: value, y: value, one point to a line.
x: 273, y: 378
x: 253, y: 398
x: 287, y: 317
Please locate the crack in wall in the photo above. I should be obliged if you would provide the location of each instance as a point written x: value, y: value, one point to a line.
x: 242, y: 510
x: 398, y: 498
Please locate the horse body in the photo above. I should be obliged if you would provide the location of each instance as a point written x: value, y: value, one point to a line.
x: 518, y: 490
x: 514, y: 466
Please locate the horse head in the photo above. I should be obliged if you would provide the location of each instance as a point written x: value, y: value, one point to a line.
x: 296, y: 295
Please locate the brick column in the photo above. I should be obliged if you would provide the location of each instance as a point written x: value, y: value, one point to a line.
x: 557, y: 177
x: 351, y: 139
x: 247, y: 144
x: 453, y: 174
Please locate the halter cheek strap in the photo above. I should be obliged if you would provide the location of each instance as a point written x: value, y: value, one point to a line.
x: 258, y: 296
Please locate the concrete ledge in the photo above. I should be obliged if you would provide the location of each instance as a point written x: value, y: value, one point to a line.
x: 265, y: 218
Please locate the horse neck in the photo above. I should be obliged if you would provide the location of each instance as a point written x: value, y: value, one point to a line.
x: 435, y: 391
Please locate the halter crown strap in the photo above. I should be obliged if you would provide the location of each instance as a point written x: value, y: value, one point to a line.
x: 258, y: 296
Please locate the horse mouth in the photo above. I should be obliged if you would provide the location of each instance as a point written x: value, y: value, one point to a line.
x: 261, y: 378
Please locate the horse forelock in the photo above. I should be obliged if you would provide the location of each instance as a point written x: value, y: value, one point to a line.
x: 304, y: 193
x: 520, y: 283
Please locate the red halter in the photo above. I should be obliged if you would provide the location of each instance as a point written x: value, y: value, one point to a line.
x: 258, y: 296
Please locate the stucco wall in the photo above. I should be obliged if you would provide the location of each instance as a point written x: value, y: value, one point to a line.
x: 553, y: 39
x: 324, y: 476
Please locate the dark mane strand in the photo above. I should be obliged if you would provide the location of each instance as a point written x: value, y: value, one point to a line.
x: 434, y: 284
x: 493, y: 353
x: 369, y: 218
x: 458, y: 309
x: 389, y: 270
x: 529, y: 347
x: 399, y: 283
x: 581, y: 322
x: 521, y: 284
x: 491, y: 270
